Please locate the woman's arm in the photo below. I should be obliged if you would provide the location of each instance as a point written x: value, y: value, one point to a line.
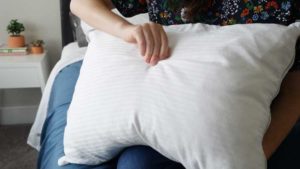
x: 150, y: 38
x: 97, y: 13
x: 285, y: 113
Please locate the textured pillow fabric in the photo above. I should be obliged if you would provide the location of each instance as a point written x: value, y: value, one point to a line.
x: 207, y: 106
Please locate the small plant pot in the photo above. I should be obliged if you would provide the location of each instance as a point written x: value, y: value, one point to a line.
x: 37, y: 50
x: 16, y: 41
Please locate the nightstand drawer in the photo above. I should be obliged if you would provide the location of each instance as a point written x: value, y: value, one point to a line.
x: 19, y: 77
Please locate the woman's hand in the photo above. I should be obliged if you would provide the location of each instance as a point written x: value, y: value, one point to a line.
x: 151, y: 40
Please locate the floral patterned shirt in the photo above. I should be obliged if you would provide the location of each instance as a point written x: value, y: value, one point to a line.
x: 222, y: 12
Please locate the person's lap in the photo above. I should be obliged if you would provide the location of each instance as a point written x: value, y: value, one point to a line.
x: 137, y: 157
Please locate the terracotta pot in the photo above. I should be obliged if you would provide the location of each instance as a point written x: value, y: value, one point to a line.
x: 16, y: 41
x: 37, y: 49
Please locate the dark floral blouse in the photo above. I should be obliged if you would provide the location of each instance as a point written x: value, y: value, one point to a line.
x: 222, y: 12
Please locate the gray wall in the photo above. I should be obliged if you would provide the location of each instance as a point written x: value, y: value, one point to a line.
x: 41, y: 19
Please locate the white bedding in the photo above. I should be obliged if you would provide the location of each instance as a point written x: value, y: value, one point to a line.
x: 70, y: 54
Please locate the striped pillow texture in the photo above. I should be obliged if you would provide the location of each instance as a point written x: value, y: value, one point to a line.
x: 207, y: 106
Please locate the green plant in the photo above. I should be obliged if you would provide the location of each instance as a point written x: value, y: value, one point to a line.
x: 15, y: 28
x: 37, y: 43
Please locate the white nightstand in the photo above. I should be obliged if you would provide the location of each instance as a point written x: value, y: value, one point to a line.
x: 26, y: 71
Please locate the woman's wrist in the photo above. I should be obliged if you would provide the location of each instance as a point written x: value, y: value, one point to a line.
x: 123, y: 31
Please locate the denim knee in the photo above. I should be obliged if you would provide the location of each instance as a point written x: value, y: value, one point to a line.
x: 144, y: 157
x: 64, y: 85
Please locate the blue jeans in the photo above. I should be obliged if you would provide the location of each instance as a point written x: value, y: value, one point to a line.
x: 137, y: 157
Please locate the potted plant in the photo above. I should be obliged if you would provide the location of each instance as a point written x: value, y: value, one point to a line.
x: 37, y: 47
x: 14, y: 28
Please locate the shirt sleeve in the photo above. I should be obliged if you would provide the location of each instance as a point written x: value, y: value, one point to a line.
x: 130, y: 8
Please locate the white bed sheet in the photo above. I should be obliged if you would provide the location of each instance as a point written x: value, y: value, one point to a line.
x: 70, y: 54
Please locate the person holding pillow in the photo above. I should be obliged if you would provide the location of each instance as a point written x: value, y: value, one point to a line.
x: 152, y: 43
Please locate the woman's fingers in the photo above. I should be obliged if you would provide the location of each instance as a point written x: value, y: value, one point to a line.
x: 149, y: 42
x: 140, y: 40
x: 164, y: 49
x: 152, y: 42
x: 155, y: 28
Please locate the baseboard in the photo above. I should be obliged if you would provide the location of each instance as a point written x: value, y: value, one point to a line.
x: 17, y: 114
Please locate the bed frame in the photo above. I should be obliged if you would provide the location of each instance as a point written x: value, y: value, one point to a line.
x: 67, y: 33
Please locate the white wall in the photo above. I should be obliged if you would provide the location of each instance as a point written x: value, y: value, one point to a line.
x: 41, y: 19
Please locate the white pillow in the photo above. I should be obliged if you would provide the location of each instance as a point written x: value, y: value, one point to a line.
x: 207, y: 106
